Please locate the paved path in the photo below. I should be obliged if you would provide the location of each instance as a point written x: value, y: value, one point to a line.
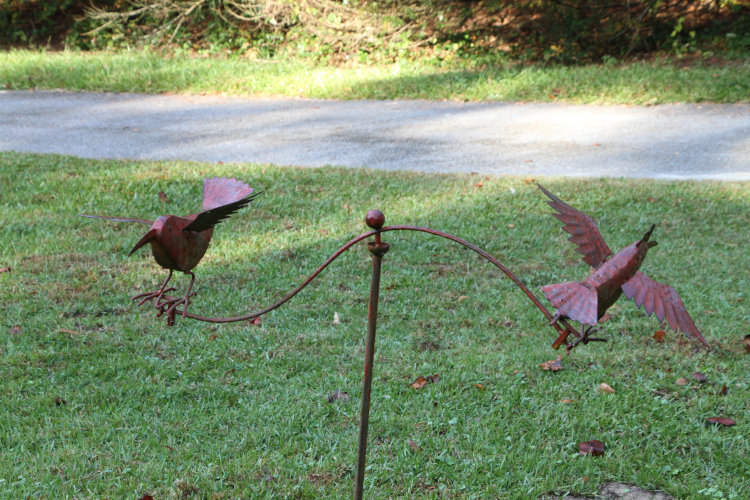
x: 671, y: 141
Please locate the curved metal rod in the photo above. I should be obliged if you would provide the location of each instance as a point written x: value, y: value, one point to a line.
x: 562, y: 331
x: 289, y: 295
x: 508, y: 273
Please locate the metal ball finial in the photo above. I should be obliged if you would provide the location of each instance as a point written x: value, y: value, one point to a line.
x: 375, y: 219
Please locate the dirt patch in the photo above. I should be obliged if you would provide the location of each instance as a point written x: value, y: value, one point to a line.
x: 621, y: 491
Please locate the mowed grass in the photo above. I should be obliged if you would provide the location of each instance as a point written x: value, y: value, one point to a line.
x: 102, y: 399
x: 616, y: 83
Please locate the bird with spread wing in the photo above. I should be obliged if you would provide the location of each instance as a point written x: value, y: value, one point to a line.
x: 179, y: 243
x: 612, y: 275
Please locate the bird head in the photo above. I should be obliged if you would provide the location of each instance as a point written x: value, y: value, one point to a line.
x: 153, y: 232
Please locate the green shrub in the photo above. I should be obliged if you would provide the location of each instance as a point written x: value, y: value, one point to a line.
x: 338, y: 30
x: 45, y: 22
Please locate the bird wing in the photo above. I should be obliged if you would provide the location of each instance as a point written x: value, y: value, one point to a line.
x: 209, y: 218
x: 220, y: 191
x: 583, y: 230
x: 118, y: 219
x: 663, y: 300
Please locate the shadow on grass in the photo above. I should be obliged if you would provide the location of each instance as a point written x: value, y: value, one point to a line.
x: 302, y: 217
x: 244, y: 409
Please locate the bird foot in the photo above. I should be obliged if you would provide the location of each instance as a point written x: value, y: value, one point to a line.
x: 145, y: 297
x: 169, y: 306
x: 585, y: 339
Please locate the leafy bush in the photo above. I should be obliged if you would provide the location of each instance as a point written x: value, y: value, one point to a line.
x: 45, y: 22
x: 336, y: 30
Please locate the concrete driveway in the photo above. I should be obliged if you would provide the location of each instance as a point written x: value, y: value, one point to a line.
x: 709, y: 141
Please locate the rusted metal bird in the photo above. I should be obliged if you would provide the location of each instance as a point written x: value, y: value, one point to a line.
x: 588, y: 300
x: 179, y: 243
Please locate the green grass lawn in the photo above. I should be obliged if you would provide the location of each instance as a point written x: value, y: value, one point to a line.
x: 618, y: 83
x: 101, y: 399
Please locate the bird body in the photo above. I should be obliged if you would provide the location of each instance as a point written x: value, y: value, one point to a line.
x: 172, y: 246
x: 587, y: 301
x: 179, y: 243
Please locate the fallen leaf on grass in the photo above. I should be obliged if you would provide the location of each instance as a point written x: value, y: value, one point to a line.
x: 163, y: 197
x: 422, y: 381
x: 681, y: 381
x: 659, y: 335
x: 336, y: 319
x: 213, y: 336
x: 419, y: 383
x: 146, y: 497
x: 566, y: 400
x: 698, y: 377
x: 338, y: 396
x: 59, y: 401
x: 257, y: 321
x: 5, y: 270
x: 606, y: 388
x: 552, y: 365
x: 747, y: 344
x: 15, y: 330
x: 69, y: 332
x: 720, y: 421
x: 479, y: 386
x: 723, y: 391
x: 593, y: 447
x: 414, y: 446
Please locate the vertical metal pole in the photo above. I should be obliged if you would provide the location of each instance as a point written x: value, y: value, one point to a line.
x: 378, y: 249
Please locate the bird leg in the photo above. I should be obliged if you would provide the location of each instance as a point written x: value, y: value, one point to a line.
x: 172, y: 303
x: 554, y: 318
x: 562, y: 338
x: 145, y: 297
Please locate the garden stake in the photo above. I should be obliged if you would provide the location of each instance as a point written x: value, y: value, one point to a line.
x: 375, y: 219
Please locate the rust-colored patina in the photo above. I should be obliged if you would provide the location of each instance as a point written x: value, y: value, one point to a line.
x: 179, y: 243
x: 588, y: 300
x: 375, y: 219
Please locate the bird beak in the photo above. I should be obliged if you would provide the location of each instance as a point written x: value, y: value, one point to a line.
x: 648, y: 233
x: 652, y: 244
x: 147, y: 238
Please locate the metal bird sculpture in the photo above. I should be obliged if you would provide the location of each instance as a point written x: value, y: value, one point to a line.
x: 179, y: 243
x: 588, y: 300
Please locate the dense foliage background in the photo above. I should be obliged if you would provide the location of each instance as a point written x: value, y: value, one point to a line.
x: 345, y: 30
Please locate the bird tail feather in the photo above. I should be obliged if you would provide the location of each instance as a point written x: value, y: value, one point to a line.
x: 573, y: 300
